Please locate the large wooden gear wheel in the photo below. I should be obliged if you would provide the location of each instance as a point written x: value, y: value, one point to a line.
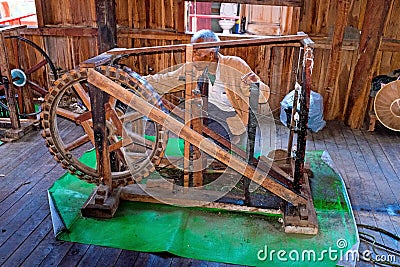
x: 387, y: 105
x: 67, y: 106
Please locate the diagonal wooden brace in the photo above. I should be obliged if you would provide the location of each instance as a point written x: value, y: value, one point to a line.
x: 185, y: 132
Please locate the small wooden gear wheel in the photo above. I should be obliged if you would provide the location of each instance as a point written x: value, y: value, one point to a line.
x: 133, y: 154
x: 28, y: 78
x: 387, y: 105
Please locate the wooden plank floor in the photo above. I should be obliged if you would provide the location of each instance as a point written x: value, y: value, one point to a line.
x: 369, y: 163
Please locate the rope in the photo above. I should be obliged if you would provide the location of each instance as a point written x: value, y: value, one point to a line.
x: 309, y: 51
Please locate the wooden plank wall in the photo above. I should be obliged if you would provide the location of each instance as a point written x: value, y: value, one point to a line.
x: 69, y: 36
x: 389, y: 54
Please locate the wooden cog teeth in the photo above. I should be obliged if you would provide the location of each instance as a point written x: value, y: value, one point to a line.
x: 71, y: 169
x: 144, y: 173
x: 44, y: 133
x: 65, y: 166
x: 46, y: 96
x: 49, y: 142
x: 73, y: 165
x: 52, y: 150
x: 56, y: 159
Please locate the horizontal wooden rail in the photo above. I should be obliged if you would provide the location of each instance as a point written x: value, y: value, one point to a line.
x: 321, y: 42
x: 241, y: 42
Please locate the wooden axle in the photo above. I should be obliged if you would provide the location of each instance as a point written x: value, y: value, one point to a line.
x: 196, y: 139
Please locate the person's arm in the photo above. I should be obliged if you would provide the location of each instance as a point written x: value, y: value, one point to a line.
x: 247, y: 76
x: 168, y: 82
x: 251, y: 77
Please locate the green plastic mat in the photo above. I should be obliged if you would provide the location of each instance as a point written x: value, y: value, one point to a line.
x: 231, y: 237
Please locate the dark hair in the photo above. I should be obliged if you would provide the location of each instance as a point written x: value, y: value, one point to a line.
x: 206, y: 35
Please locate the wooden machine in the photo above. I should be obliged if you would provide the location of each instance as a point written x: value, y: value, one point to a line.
x: 21, y: 85
x: 131, y: 126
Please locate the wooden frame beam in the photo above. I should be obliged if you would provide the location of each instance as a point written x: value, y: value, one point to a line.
x: 241, y: 42
x: 129, y: 98
x: 107, y: 24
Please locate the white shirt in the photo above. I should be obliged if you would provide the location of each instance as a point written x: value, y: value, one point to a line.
x: 217, y: 94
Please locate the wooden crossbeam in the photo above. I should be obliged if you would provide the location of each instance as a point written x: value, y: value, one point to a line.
x: 181, y: 47
x: 185, y: 132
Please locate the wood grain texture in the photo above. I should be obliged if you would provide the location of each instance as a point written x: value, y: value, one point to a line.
x: 68, y: 35
x: 369, y: 163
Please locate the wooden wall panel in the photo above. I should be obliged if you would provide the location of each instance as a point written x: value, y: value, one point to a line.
x: 74, y: 50
x: 393, y: 24
x: 23, y: 51
x: 390, y: 60
x: 321, y: 56
x: 68, y: 12
x: 342, y: 85
x: 160, y: 22
x: 138, y: 14
x: 356, y: 16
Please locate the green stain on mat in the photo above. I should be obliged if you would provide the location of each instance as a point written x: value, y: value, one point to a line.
x: 222, y: 236
x: 175, y: 146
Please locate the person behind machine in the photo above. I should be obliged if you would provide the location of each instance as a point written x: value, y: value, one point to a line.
x: 229, y: 79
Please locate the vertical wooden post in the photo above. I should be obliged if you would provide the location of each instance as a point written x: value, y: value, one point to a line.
x: 371, y: 34
x: 106, y: 24
x: 189, y: 86
x: 199, y: 159
x: 41, y: 19
x: 98, y: 99
x: 193, y: 159
x: 106, y: 38
x: 304, y: 109
x: 6, y: 81
x: 251, y: 134
x: 104, y: 200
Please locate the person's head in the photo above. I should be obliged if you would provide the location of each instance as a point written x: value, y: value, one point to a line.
x: 205, y: 54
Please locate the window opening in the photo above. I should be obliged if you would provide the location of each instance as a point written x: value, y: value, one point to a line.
x: 18, y: 12
x: 235, y: 18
